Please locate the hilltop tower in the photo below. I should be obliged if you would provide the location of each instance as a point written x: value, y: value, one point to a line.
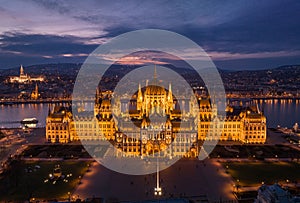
x: 21, y: 70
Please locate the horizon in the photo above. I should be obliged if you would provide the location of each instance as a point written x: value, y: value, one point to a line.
x: 219, y: 68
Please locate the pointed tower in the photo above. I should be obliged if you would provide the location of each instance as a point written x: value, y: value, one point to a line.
x: 49, y: 111
x: 155, y: 73
x: 36, y: 88
x: 21, y: 70
x: 170, y: 99
x: 170, y: 95
x: 257, y: 109
x: 154, y: 82
x: 35, y: 92
x: 139, y: 98
x: 98, y: 95
x: 98, y: 99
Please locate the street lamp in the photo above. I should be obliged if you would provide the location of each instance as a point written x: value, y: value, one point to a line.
x: 237, y: 185
x: 157, y: 191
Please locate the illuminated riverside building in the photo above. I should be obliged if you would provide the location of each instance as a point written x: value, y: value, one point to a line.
x: 153, y: 121
x: 24, y: 78
x: 35, y: 93
x: 244, y: 124
x: 99, y: 126
x: 60, y: 125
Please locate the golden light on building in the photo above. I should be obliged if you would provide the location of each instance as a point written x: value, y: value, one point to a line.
x: 153, y: 121
x: 25, y: 78
x: 35, y: 93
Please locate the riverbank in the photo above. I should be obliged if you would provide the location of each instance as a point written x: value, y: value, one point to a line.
x: 13, y: 101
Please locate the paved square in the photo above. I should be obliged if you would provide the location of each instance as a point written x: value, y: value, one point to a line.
x: 185, y: 178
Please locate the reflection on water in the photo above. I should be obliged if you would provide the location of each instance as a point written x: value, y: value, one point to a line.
x: 283, y: 112
x: 16, y: 113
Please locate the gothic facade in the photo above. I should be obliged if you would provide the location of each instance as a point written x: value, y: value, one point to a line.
x: 152, y: 122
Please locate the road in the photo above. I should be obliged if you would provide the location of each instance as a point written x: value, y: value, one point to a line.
x: 16, y: 142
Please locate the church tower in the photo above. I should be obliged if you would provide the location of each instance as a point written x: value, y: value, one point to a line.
x: 35, y: 92
x: 21, y: 70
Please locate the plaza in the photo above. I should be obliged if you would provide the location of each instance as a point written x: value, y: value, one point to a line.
x: 186, y: 178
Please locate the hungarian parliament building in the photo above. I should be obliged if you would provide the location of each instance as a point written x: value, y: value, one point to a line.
x: 154, y: 121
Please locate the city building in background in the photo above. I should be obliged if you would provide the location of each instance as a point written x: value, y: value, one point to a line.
x: 35, y: 93
x: 24, y: 78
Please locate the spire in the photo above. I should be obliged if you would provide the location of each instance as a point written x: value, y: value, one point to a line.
x: 170, y: 87
x: 257, y: 108
x: 21, y: 70
x: 140, y: 96
x: 155, y: 73
x: 36, y: 88
x: 170, y: 95
x: 97, y: 95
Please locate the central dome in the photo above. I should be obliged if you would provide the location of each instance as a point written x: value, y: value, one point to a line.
x: 155, y: 90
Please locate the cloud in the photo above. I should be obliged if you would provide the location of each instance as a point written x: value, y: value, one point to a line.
x: 227, y: 30
x: 31, y: 18
x: 220, y: 56
x: 17, y: 48
x: 42, y: 44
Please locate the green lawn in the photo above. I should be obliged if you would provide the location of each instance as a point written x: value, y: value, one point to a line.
x: 65, y: 151
x: 18, y: 184
x: 254, y: 173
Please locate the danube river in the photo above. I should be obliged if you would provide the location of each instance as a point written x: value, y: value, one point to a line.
x: 281, y: 112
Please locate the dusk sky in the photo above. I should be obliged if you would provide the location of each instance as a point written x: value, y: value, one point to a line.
x: 236, y: 34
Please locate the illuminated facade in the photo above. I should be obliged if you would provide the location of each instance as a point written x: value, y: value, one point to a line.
x: 24, y: 78
x: 60, y: 125
x: 35, y: 93
x: 244, y: 124
x: 153, y: 121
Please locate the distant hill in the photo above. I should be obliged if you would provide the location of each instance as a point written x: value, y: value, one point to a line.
x: 44, y: 69
x: 287, y: 67
x: 284, y: 67
x: 73, y: 68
